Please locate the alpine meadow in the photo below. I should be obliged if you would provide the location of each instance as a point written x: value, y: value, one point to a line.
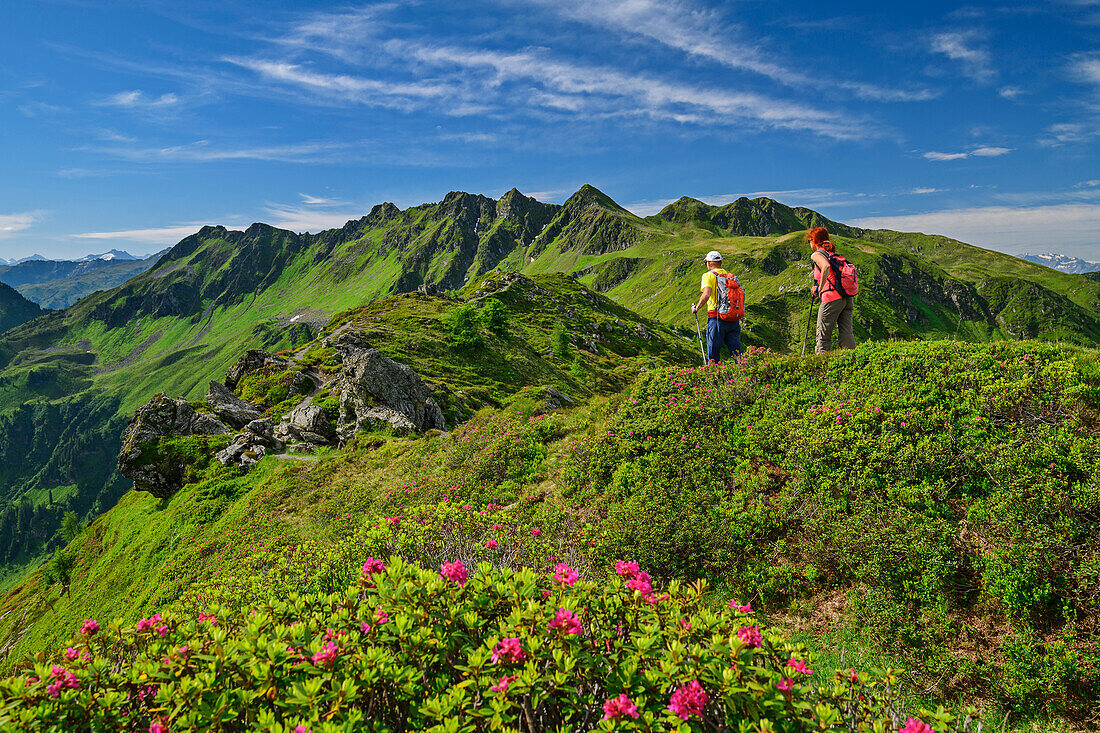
x: 715, y: 388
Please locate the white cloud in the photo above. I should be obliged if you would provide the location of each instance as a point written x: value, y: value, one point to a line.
x: 1088, y: 184
x: 920, y: 191
x: 318, y: 201
x: 201, y: 151
x: 308, y: 219
x: 946, y: 156
x: 136, y: 99
x: 963, y: 47
x: 1069, y: 228
x: 1010, y: 92
x: 1087, y: 69
x: 1068, y: 133
x: 703, y: 33
x: 984, y: 151
x: 12, y: 223
x: 158, y: 235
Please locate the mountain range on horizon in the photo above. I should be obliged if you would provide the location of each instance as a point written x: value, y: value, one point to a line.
x: 1062, y: 263
x: 69, y: 378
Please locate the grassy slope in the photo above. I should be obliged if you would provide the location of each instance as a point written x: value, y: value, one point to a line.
x: 63, y: 292
x: 910, y: 530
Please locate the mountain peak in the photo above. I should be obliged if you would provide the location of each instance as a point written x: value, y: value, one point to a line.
x: 588, y: 196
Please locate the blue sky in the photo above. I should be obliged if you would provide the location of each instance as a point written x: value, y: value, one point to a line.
x: 130, y: 125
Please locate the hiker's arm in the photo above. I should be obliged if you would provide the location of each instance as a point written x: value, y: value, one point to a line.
x: 822, y: 263
x: 702, y: 300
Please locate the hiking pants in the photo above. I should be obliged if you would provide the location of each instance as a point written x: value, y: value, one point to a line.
x: 835, y: 313
x: 722, y: 333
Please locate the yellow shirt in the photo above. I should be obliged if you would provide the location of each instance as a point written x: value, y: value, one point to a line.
x: 710, y: 280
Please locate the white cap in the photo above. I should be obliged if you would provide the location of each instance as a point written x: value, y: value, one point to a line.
x: 714, y: 256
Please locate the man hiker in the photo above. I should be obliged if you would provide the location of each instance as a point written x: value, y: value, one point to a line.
x: 725, y: 303
x: 836, y: 285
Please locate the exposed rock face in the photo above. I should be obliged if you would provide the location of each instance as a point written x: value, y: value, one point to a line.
x: 255, y: 360
x: 162, y: 417
x: 555, y: 400
x: 376, y: 390
x: 250, y: 445
x: 306, y: 424
x: 230, y: 408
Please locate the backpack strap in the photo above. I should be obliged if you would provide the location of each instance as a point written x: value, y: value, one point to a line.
x: 835, y: 267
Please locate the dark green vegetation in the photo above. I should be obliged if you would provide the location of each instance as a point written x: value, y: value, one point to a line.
x: 57, y: 284
x: 470, y: 649
x: 15, y: 310
x: 937, y: 501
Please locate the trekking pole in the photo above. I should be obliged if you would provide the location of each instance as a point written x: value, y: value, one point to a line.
x: 702, y: 351
x: 809, y: 315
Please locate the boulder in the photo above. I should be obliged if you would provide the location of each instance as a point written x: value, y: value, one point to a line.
x: 160, y: 418
x: 248, y: 446
x: 229, y: 407
x: 255, y: 360
x: 378, y: 391
x: 555, y: 400
x: 306, y: 423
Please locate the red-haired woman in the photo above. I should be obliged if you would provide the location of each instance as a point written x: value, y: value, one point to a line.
x: 836, y: 306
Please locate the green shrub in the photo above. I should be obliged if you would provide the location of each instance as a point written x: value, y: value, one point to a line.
x: 462, y: 327
x: 493, y: 316
x: 457, y: 650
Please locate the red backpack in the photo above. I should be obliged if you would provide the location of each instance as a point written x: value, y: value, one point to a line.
x: 843, y: 275
x: 730, y: 297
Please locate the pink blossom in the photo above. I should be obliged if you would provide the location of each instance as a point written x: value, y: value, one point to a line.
x: 567, y: 621
x: 71, y: 654
x: 162, y: 630
x: 565, y: 574
x: 627, y: 568
x: 912, y: 725
x: 497, y: 527
x: 90, y: 627
x: 853, y: 676
x: 685, y: 624
x: 536, y: 532
x: 327, y: 656
x: 877, y: 408
x: 502, y: 685
x: 491, y: 544
x: 158, y: 726
x: 689, y: 700
x: 640, y: 582
x: 208, y: 617
x: 454, y: 572
x: 735, y: 605
x: 373, y: 565
x: 751, y: 636
x: 509, y: 649
x: 365, y: 627
x: 147, y: 624
x: 381, y: 616
x: 619, y: 707
x: 301, y: 729
x: 798, y: 666
x: 785, y: 684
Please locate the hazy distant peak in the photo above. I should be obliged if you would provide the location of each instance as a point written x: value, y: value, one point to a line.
x: 1062, y: 263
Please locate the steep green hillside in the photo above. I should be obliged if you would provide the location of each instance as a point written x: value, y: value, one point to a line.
x: 936, y: 502
x: 57, y: 284
x: 15, y: 310
x: 184, y: 321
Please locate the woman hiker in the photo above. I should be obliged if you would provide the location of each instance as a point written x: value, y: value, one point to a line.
x: 837, y: 301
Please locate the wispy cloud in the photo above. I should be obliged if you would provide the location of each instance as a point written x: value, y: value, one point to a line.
x: 966, y: 49
x: 921, y: 190
x: 203, y: 151
x: 1011, y: 92
x: 12, y: 223
x: 156, y: 235
x: 309, y: 218
x: 703, y: 33
x: 1006, y: 228
x: 1069, y: 133
x: 136, y: 99
x: 318, y: 201
x: 985, y: 151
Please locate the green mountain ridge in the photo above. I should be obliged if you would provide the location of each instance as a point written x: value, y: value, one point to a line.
x: 15, y: 310
x: 180, y: 324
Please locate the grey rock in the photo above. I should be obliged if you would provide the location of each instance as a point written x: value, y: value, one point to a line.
x: 230, y: 408
x: 160, y: 418
x: 306, y: 423
x: 376, y: 390
x: 255, y: 360
x: 555, y: 400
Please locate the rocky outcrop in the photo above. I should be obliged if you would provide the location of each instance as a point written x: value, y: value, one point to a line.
x: 151, y: 470
x: 250, y: 445
x: 255, y: 360
x: 230, y: 408
x: 306, y: 424
x: 378, y: 391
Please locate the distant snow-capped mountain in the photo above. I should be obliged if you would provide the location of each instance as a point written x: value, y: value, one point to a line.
x: 1063, y: 263
x: 16, y: 261
x: 113, y: 254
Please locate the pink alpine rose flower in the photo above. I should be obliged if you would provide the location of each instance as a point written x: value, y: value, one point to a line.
x: 373, y: 565
x: 735, y: 605
x: 90, y: 627
x: 912, y: 725
x: 751, y: 636
x: 798, y: 666
x: 71, y: 654
x: 689, y: 700
x: 640, y: 582
x: 327, y: 656
x: 565, y: 574
x: 454, y: 572
x: 785, y: 684
x: 301, y: 729
x: 619, y: 707
x: 627, y: 568
x: 536, y: 532
x: 158, y: 726
x: 509, y: 649
x: 491, y: 544
x: 567, y: 621
x: 502, y: 685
